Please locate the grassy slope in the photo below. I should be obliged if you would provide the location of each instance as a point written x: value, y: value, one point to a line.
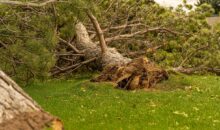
x: 84, y: 105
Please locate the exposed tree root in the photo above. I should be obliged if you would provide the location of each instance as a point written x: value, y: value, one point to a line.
x: 137, y: 74
x: 128, y: 74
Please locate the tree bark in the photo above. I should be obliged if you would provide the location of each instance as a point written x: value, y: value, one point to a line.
x: 98, y: 31
x: 126, y: 73
x: 18, y: 111
x: 110, y: 56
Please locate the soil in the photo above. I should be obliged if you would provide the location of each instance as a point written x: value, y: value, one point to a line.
x: 140, y: 73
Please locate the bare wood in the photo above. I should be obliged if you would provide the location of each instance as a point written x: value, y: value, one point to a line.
x: 192, y: 53
x: 69, y: 54
x: 19, y: 3
x: 196, y: 69
x: 72, y: 67
x: 124, y: 26
x: 112, y: 56
x: 98, y: 31
x: 18, y: 110
x: 12, y: 95
x: 125, y: 36
x: 70, y: 45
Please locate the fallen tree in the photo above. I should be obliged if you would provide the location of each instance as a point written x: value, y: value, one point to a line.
x: 135, y: 28
x: 19, y: 112
x: 127, y: 73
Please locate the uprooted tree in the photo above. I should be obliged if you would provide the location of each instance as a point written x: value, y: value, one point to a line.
x: 128, y: 74
x: 19, y: 112
x: 105, y: 56
x: 48, y: 40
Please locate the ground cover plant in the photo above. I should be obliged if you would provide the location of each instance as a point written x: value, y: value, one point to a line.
x: 183, y: 102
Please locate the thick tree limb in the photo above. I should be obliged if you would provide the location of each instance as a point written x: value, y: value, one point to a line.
x: 19, y: 3
x: 112, y: 56
x: 98, y: 31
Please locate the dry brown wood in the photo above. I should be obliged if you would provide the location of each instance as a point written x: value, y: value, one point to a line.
x: 125, y: 36
x: 72, y: 67
x: 194, y: 70
x: 19, y: 3
x: 70, y: 45
x: 19, y: 111
x: 124, y: 26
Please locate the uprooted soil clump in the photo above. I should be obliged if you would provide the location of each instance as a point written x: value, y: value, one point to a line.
x: 138, y: 74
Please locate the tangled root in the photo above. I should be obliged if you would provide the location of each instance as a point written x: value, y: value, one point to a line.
x: 138, y: 74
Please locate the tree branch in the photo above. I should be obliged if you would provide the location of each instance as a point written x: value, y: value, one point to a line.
x: 62, y: 70
x: 124, y: 36
x: 70, y: 45
x: 19, y: 3
x: 196, y: 69
x: 98, y: 31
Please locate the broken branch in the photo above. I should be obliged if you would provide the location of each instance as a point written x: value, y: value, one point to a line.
x: 98, y: 31
x: 70, y: 45
x: 19, y: 3
x: 125, y: 36
x: 62, y: 70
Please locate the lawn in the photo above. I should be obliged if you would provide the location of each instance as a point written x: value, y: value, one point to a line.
x: 181, y: 103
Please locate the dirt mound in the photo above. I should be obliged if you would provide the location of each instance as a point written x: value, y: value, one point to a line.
x: 137, y: 74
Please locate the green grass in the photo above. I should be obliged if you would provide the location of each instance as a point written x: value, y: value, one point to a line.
x: 183, y: 102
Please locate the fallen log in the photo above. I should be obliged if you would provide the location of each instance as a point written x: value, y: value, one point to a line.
x: 18, y: 111
x: 127, y: 73
x: 91, y: 50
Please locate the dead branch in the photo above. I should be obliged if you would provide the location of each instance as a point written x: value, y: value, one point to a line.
x: 72, y: 67
x: 196, y: 69
x: 70, y: 45
x: 3, y: 45
x: 19, y: 3
x: 125, y: 36
x: 124, y: 26
x: 68, y: 54
x: 192, y: 53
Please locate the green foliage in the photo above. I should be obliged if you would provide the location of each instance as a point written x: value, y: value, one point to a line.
x: 215, y: 4
x: 29, y: 36
x: 196, y: 46
x: 27, y: 42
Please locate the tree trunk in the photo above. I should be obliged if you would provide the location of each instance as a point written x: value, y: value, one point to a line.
x: 126, y: 73
x: 110, y: 56
x: 19, y: 112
